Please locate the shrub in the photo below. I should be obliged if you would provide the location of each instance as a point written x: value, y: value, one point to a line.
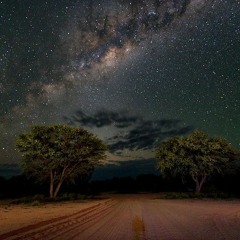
x: 35, y: 203
x: 182, y: 195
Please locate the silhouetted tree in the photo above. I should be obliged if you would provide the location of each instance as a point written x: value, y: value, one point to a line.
x: 59, y: 153
x: 195, y: 155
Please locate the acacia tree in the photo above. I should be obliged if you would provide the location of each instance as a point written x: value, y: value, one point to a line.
x: 59, y: 153
x: 195, y: 155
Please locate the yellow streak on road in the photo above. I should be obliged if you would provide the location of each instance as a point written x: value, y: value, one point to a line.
x: 138, y: 228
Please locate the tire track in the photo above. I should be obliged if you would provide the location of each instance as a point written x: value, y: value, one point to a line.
x: 84, y: 224
x: 39, y: 230
x: 96, y: 229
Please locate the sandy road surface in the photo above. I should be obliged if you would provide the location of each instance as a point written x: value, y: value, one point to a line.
x: 137, y: 217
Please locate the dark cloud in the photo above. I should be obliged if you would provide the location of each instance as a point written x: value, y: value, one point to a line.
x: 102, y: 118
x: 134, y: 133
x: 148, y: 135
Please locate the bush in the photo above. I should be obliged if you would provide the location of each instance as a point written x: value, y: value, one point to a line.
x: 38, y: 197
x: 35, y: 203
x: 183, y: 195
x: 175, y: 195
x: 30, y: 199
x: 220, y: 195
x: 71, y: 197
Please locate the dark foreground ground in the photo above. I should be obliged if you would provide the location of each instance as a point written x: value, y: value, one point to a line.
x: 126, y: 217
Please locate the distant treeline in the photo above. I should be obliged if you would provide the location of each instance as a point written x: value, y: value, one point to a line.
x: 21, y: 186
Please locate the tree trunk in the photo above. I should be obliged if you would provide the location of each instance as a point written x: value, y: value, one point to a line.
x: 198, y: 187
x: 199, y: 183
x: 53, y: 174
x: 62, y: 178
x: 57, y: 188
x: 51, y: 185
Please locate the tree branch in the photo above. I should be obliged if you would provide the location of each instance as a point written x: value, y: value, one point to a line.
x: 194, y: 178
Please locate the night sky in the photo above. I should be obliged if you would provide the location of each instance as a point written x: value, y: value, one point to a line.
x: 132, y: 72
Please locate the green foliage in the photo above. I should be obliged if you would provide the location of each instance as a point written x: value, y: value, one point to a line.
x: 187, y: 195
x: 176, y: 195
x: 38, y: 200
x: 195, y: 155
x: 71, y: 197
x: 32, y: 200
x: 59, y: 153
x: 36, y: 203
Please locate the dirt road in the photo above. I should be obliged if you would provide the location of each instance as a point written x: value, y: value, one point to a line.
x: 139, y: 217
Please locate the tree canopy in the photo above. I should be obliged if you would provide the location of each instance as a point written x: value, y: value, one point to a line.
x: 59, y: 153
x: 196, y: 155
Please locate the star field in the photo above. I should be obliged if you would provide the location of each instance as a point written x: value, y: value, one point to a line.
x: 170, y: 66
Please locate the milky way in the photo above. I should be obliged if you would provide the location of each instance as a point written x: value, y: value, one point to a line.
x: 100, y: 33
x: 133, y: 72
